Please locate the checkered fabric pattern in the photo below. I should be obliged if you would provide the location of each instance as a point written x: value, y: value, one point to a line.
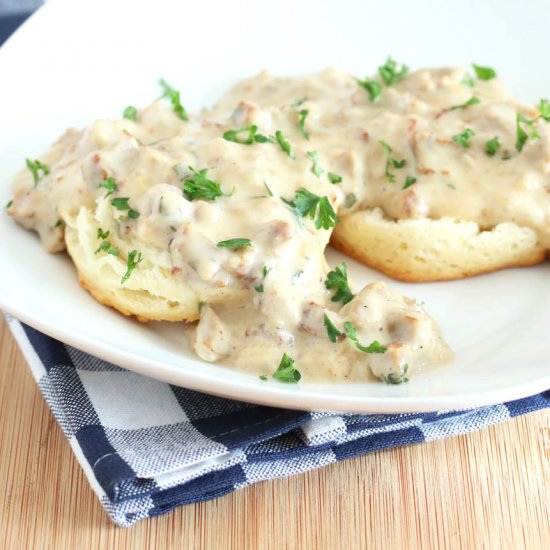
x: 147, y: 447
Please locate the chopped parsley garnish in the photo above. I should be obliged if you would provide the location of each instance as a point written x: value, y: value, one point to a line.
x: 10, y: 202
x: 110, y: 185
x: 121, y: 203
x: 309, y: 204
x: 105, y: 246
x: 373, y: 88
x: 326, y: 217
x: 284, y: 144
x: 351, y: 332
x: 397, y: 378
x: 286, y: 372
x: 134, y: 258
x: 246, y: 136
x: 269, y: 191
x: 263, y: 377
x: 409, y: 181
x: 332, y: 332
x: 334, y: 178
x: 521, y: 134
x: 201, y: 306
x: 316, y: 169
x: 391, y: 74
x: 235, y: 244
x: 265, y: 271
x: 484, y: 73
x: 58, y: 223
x: 391, y: 162
x: 305, y: 202
x: 38, y: 170
x: 472, y: 101
x: 374, y: 347
x: 544, y: 108
x: 338, y: 280
x: 130, y: 113
x: 492, y: 146
x: 467, y: 80
x: 302, y: 115
x: 463, y: 139
x: 174, y: 97
x: 198, y: 186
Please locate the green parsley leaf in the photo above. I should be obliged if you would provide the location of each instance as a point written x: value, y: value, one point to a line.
x: 37, y: 169
x: 305, y: 202
x: 134, y: 258
x: 10, y: 203
x: 250, y: 136
x: 467, y: 80
x: 286, y: 372
x: 309, y: 204
x: 409, y: 181
x: 263, y: 377
x: 121, y: 203
x: 259, y: 288
x: 58, y: 223
x: 110, y: 185
x: 521, y: 134
x: 492, y: 146
x: 390, y: 73
x: 332, y: 332
x: 334, y: 178
x: 102, y: 234
x: 484, y: 73
x: 338, y: 280
x: 314, y: 156
x: 201, y: 305
x: 105, y: 246
x: 302, y: 115
x: 396, y: 378
x: 260, y: 138
x: 198, y: 186
x: 544, y: 108
x: 174, y: 97
x: 284, y: 144
x: 265, y: 271
x: 130, y: 113
x: 373, y: 88
x: 235, y: 244
x: 472, y: 101
x: 326, y: 218
x: 464, y: 138
x: 373, y: 347
x: 391, y: 162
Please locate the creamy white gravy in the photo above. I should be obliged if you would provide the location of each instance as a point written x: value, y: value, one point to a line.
x: 282, y: 298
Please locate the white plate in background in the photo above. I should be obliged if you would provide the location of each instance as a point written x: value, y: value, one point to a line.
x: 73, y: 62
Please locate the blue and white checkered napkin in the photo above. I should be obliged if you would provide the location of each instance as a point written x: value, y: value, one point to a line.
x: 148, y: 447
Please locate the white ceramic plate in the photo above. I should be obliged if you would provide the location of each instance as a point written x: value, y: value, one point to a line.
x: 73, y: 62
